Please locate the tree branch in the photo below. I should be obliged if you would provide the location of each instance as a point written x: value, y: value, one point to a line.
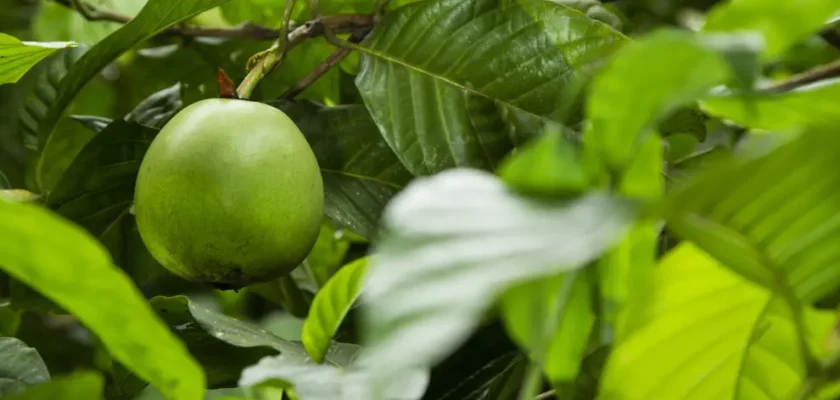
x: 827, y: 71
x: 263, y: 63
x: 244, y: 31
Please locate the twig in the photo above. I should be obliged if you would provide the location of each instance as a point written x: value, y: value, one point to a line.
x: 827, y: 71
x: 356, y: 24
x: 545, y: 396
x: 244, y: 31
x: 318, y: 72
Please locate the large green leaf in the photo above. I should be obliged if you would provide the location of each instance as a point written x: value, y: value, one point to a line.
x: 781, y: 23
x: 526, y: 310
x: 72, y: 269
x: 360, y: 171
x: 331, y: 305
x: 813, y: 105
x: 81, y: 385
x: 460, y: 82
x: 223, y: 345
x: 622, y: 111
x: 772, y: 218
x: 156, y: 16
x: 701, y: 332
x: 323, y: 382
x: 454, y: 242
x: 17, y: 57
x: 20, y: 366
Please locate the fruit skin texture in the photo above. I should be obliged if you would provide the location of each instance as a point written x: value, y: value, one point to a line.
x: 229, y: 194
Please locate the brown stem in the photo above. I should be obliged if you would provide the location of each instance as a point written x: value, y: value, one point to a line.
x: 356, y: 24
x: 318, y: 72
x: 545, y: 396
x: 244, y: 31
x: 827, y: 71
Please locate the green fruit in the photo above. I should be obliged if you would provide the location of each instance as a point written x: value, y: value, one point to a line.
x: 229, y: 193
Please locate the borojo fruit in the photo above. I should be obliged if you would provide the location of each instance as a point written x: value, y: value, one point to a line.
x: 229, y: 193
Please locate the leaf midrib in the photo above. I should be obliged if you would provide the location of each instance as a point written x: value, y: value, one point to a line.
x: 444, y: 79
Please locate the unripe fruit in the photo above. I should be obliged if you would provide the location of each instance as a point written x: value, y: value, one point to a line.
x: 229, y: 193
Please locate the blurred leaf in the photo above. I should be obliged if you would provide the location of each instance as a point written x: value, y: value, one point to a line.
x: 527, y: 307
x: 330, y: 306
x: 448, y: 254
x: 679, y: 146
x: 20, y: 367
x: 623, y: 111
x: 323, y: 382
x: 360, y: 171
x: 156, y: 16
x: 58, y: 22
x: 156, y: 110
x: 42, y: 94
x: 781, y: 23
x: 4, y: 182
x: 68, y: 266
x: 545, y: 166
x: 262, y: 12
x: 813, y: 105
x: 221, y: 344
x: 81, y: 385
x: 18, y: 57
x: 771, y: 218
x: 700, y: 331
x: 94, y: 123
x: 460, y: 82
x: 286, y: 292
x: 18, y: 196
x: 9, y: 319
x: 467, y: 373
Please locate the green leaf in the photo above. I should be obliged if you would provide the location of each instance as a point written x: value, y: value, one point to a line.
x: 454, y: 242
x: 10, y: 318
x: 623, y: 111
x: 156, y: 110
x: 18, y: 196
x: 487, y: 358
x: 17, y: 57
x: 81, y: 385
x: 699, y: 331
x: 771, y: 218
x: 94, y: 123
x: 221, y: 344
x: 545, y: 166
x: 323, y: 382
x: 156, y: 16
x: 69, y: 267
x: 781, y: 23
x: 359, y: 170
x: 812, y: 105
x: 527, y: 307
x: 20, y: 366
x: 97, y: 189
x: 461, y: 82
x: 331, y: 305
x: 44, y: 90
